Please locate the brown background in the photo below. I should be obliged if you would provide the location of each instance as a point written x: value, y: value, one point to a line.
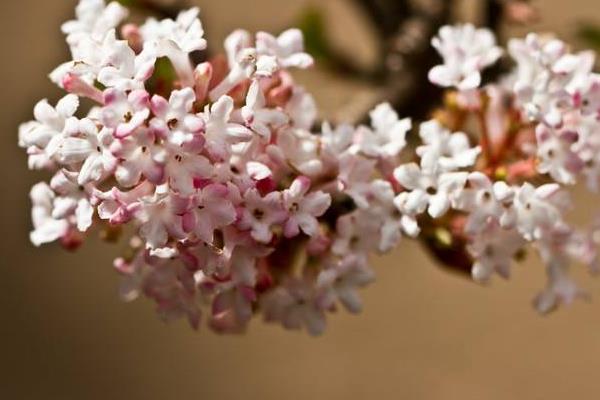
x: 424, y: 334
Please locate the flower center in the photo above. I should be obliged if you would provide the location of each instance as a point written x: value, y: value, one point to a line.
x: 258, y: 214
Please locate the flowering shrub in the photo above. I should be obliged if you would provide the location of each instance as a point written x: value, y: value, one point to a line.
x: 234, y: 203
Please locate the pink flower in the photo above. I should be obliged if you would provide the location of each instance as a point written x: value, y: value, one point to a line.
x: 303, y: 208
x: 493, y: 250
x: 210, y: 209
x: 175, y: 121
x: 125, y: 112
x: 295, y: 306
x: 341, y: 280
x: 160, y: 217
x: 139, y: 156
x: 261, y: 213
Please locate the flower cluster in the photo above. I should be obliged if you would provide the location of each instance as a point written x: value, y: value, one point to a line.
x: 235, y: 206
x: 539, y: 131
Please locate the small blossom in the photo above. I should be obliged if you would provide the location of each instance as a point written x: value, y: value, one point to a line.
x: 125, y: 112
x: 427, y: 189
x: 94, y: 19
x: 85, y: 144
x: 538, y: 209
x: 186, y: 31
x: 46, y: 228
x: 288, y: 48
x: 389, y: 135
x: 466, y: 51
x: 175, y: 121
x: 556, y: 155
x: 161, y: 218
x: 220, y: 132
x: 210, y: 210
x: 295, y: 307
x: 493, y: 250
x: 261, y: 213
x: 486, y: 201
x: 257, y: 116
x: 303, y: 208
x: 450, y: 150
x: 341, y: 281
x: 45, y: 134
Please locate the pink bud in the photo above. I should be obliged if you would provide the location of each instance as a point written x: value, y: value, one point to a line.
x: 202, y: 77
x: 74, y: 84
x: 131, y: 33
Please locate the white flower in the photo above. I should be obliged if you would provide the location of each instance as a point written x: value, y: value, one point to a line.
x: 355, y: 176
x: 94, y: 19
x: 301, y: 109
x: 356, y: 233
x: 341, y: 281
x: 547, y: 77
x: 257, y: 116
x: 92, y: 56
x: 89, y: 146
x: 268, y: 57
x: 299, y: 150
x: 493, y: 249
x: 46, y: 228
x: 232, y: 308
x: 450, y: 151
x: 556, y: 155
x: 337, y: 140
x: 303, y: 209
x: 427, y: 189
x: 389, y: 135
x: 466, y: 51
x: 538, y: 209
x: 186, y: 32
x: 123, y: 69
x: 560, y: 289
x: 587, y: 97
x: 220, y: 132
x: 288, y: 48
x: 44, y: 135
x: 486, y: 201
x: 72, y: 199
x: 393, y: 222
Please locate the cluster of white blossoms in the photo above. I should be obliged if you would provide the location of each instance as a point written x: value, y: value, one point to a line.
x: 237, y: 207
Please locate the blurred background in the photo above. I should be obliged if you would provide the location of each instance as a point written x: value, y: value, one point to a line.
x: 424, y: 333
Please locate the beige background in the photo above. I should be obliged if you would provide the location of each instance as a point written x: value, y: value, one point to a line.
x: 424, y: 334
